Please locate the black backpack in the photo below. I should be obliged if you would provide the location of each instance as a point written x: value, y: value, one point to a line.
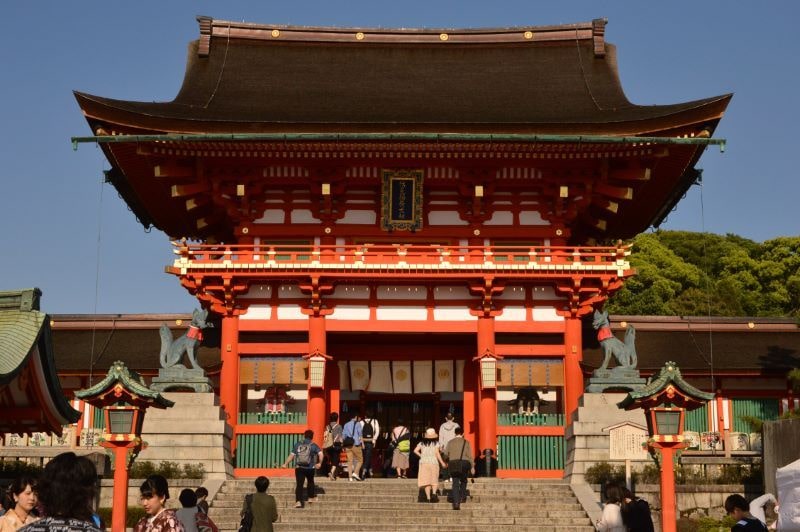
x: 368, y: 431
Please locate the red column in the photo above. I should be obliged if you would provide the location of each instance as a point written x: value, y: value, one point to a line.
x: 471, y: 387
x: 487, y: 401
x: 229, y: 376
x: 120, y: 499
x: 668, y: 520
x: 573, y: 376
x: 316, y: 396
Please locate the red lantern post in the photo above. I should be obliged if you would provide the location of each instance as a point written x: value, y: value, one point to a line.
x: 124, y: 399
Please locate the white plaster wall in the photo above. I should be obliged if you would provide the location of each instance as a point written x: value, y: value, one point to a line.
x: 546, y: 314
x: 402, y: 313
x: 453, y: 314
x: 303, y: 216
x: 290, y: 312
x: 532, y: 218
x: 257, y: 312
x: 501, y: 218
x: 350, y: 312
x: 445, y: 218
x: 512, y: 314
x: 359, y: 217
x: 271, y: 216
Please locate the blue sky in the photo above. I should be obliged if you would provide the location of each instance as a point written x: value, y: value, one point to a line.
x: 67, y: 233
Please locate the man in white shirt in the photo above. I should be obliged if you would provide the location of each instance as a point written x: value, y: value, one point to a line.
x: 370, y: 430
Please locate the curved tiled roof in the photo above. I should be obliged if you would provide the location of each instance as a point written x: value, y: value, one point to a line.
x: 261, y: 78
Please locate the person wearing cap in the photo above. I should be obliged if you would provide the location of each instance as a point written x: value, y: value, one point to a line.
x: 429, y: 461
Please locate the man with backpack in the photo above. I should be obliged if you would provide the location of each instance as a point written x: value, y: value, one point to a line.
x: 307, y: 458
x: 370, y: 429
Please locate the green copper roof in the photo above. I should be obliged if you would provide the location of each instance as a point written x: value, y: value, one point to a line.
x: 131, y: 381
x: 670, y: 375
x: 25, y: 333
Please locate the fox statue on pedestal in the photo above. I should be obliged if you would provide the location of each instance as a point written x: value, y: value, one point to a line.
x: 624, y: 352
x: 172, y: 350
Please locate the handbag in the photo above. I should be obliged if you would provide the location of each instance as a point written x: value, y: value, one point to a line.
x: 247, y: 518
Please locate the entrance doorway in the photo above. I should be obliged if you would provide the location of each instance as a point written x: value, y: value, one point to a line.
x: 418, y: 412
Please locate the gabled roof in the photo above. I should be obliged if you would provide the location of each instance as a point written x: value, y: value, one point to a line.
x: 667, y: 387
x: 31, y: 398
x: 121, y: 381
x: 244, y: 77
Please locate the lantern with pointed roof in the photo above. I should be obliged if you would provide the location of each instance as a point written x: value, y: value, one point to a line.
x: 665, y: 402
x: 124, y: 397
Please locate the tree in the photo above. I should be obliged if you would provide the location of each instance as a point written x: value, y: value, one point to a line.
x: 691, y: 274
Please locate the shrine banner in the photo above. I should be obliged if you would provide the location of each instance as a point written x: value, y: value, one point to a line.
x: 401, y: 376
x: 380, y: 378
x: 401, y: 200
x: 423, y: 376
x: 459, y: 375
x: 443, y: 376
x: 359, y: 375
x: 344, y: 375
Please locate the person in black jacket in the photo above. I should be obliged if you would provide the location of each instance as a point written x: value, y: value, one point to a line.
x: 635, y: 512
x: 738, y: 507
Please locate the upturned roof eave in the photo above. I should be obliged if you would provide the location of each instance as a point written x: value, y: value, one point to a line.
x: 131, y: 117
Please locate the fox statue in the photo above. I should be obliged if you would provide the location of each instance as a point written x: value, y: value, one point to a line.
x: 172, y: 350
x: 624, y: 352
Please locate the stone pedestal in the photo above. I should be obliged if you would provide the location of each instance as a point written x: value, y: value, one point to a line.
x: 615, y: 379
x: 587, y: 442
x: 181, y: 378
x: 191, y: 432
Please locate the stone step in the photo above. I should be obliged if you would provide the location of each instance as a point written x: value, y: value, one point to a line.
x: 391, y: 504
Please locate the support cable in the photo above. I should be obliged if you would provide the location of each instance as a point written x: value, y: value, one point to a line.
x: 97, y: 273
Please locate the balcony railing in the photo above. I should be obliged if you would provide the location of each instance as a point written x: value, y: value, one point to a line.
x: 399, y: 257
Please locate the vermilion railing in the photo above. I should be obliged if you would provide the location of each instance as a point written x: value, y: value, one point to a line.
x: 265, y: 255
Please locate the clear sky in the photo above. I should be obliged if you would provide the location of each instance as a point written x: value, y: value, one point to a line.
x: 67, y: 233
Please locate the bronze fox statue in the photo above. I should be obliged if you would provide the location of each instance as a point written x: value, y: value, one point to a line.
x: 624, y: 352
x: 172, y: 350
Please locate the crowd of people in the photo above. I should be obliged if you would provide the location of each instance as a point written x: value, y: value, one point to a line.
x: 62, y: 498
x: 445, y: 451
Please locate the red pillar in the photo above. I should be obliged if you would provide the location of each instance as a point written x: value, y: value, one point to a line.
x: 487, y: 401
x: 668, y: 520
x: 229, y: 376
x: 120, y: 499
x: 316, y: 396
x: 471, y: 387
x: 573, y: 376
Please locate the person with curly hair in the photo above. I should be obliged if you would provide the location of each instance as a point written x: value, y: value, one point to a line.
x: 20, y: 503
x: 66, y: 491
x: 155, y: 492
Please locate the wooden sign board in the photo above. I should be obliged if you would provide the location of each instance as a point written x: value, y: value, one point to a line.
x: 627, y: 442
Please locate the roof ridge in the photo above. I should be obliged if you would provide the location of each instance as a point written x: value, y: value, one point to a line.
x: 226, y: 29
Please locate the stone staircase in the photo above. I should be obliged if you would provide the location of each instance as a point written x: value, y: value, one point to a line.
x: 391, y: 504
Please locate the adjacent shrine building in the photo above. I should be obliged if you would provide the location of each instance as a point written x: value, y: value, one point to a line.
x: 407, y: 221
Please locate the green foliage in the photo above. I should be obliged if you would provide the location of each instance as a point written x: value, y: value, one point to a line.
x: 14, y: 469
x: 705, y: 524
x: 143, y: 469
x: 603, y: 472
x: 693, y: 274
x: 755, y: 423
x: 134, y: 514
